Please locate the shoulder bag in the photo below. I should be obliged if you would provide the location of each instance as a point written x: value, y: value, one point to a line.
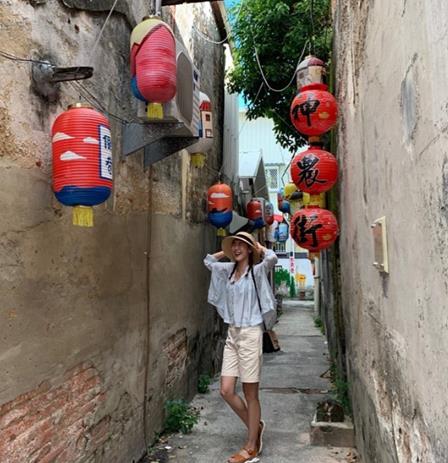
x: 270, y: 339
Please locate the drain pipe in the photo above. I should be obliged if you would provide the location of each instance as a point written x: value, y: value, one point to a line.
x: 158, y: 8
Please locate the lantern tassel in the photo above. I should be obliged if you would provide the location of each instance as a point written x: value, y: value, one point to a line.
x: 154, y: 111
x: 221, y: 232
x: 83, y: 216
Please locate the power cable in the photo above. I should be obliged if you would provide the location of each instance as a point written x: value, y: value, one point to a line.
x: 263, y: 76
x: 12, y: 57
x: 103, y: 27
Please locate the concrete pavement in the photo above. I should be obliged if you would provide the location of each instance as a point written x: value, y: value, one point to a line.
x: 291, y: 386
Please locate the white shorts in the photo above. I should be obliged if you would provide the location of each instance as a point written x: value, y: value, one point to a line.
x: 243, y: 353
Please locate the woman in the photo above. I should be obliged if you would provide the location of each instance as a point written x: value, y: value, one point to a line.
x: 243, y: 297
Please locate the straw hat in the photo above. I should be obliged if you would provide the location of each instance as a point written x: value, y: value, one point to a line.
x: 245, y: 238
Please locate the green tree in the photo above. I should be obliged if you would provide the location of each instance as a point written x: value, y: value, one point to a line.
x: 279, y: 32
x: 292, y: 287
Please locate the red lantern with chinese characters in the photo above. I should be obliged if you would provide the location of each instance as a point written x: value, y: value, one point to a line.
x: 314, y: 171
x: 314, y: 229
x: 314, y: 110
x: 153, y: 64
x: 254, y: 210
x: 220, y: 202
x: 82, y: 161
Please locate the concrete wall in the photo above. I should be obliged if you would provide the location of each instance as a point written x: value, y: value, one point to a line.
x: 392, y: 65
x: 76, y: 302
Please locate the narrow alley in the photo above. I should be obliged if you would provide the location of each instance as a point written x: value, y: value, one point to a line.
x: 291, y: 387
x: 174, y: 175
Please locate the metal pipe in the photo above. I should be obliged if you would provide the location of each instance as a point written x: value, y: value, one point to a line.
x: 159, y: 8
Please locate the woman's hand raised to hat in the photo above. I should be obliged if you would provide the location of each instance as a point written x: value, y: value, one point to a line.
x: 219, y: 255
x: 261, y: 249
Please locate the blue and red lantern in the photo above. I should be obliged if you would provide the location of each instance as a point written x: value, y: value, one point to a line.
x: 254, y: 209
x: 314, y: 171
x: 82, y: 160
x: 314, y: 110
x: 314, y: 228
x: 268, y: 213
x: 153, y: 64
x: 220, y: 203
x: 282, y: 204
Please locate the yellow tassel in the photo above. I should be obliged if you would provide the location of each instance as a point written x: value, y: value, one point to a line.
x: 83, y: 216
x: 317, y: 200
x: 154, y: 111
x: 198, y: 160
x: 306, y: 199
x: 221, y: 232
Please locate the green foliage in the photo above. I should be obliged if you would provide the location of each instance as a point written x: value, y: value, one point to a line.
x: 180, y: 416
x: 281, y: 275
x: 203, y: 383
x: 340, y: 388
x: 292, y: 287
x: 319, y: 324
x: 279, y: 31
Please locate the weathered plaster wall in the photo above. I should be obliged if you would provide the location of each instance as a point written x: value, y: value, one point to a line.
x: 74, y: 301
x: 392, y: 64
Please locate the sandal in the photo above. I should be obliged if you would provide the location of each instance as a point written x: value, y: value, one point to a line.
x: 244, y: 456
x: 260, y: 436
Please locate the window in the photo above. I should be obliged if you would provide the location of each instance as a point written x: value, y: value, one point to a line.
x: 272, y: 178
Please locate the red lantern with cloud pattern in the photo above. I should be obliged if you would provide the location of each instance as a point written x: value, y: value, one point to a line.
x: 82, y: 160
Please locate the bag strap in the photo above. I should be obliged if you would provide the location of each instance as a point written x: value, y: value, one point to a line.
x: 258, y: 297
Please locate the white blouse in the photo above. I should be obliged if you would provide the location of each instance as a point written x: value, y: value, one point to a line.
x: 236, y: 300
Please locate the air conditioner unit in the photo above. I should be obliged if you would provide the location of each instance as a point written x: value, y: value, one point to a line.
x: 184, y: 107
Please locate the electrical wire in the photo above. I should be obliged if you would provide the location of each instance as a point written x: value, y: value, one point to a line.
x: 312, y: 24
x: 103, y: 27
x: 12, y: 57
x: 263, y: 76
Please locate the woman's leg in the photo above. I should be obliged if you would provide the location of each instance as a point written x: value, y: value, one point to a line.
x: 253, y: 414
x: 228, y: 393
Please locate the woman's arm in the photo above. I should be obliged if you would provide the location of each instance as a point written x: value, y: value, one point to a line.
x: 213, y: 259
x: 269, y: 257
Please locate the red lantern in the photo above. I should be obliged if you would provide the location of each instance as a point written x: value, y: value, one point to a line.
x: 220, y: 202
x: 314, y: 229
x: 314, y: 171
x: 254, y: 209
x: 314, y: 110
x: 269, y: 213
x: 82, y: 161
x: 153, y: 64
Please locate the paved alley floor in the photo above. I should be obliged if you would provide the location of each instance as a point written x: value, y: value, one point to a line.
x: 291, y: 386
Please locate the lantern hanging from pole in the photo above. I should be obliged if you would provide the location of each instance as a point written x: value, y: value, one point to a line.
x: 220, y: 202
x: 205, y: 142
x: 254, y: 210
x: 314, y: 110
x: 314, y: 229
x: 314, y: 171
x: 82, y: 161
x: 153, y: 64
x: 311, y: 70
x: 282, y: 204
x: 269, y: 213
x: 283, y: 232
